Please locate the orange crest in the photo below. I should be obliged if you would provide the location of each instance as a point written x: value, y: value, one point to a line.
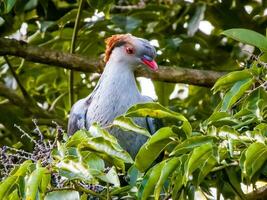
x: 112, y: 41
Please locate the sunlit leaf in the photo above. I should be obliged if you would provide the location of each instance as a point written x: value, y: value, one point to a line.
x: 191, y: 143
x: 127, y: 124
x: 156, y: 110
x: 7, y: 184
x: 36, y: 179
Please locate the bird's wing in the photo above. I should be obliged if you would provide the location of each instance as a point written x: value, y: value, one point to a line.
x: 77, y: 118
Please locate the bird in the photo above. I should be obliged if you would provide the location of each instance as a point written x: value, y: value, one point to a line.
x: 116, y: 91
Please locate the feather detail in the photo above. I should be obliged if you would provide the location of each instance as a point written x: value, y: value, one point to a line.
x: 113, y: 41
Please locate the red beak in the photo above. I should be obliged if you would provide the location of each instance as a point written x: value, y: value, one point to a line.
x: 150, y: 63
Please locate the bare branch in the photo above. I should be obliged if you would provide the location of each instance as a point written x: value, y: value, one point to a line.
x: 79, y: 63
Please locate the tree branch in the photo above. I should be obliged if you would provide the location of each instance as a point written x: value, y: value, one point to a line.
x: 21, y: 49
x: 260, y: 193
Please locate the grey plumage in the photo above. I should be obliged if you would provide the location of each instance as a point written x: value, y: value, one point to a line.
x: 114, y: 94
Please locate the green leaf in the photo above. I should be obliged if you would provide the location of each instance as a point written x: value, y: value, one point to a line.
x: 74, y: 170
x: 191, y: 143
x: 193, y: 23
x: 77, y: 138
x: 153, y: 147
x: 104, y: 146
x: 46, y: 178
x: 63, y: 195
x: 133, y: 173
x: 30, y: 4
x: 96, y: 131
x: 156, y: 110
x: 177, y: 177
x: 235, y: 93
x: 14, y: 195
x: 93, y: 160
x: 9, y: 4
x: 235, y: 181
x: 167, y: 169
x: 127, y: 124
x: 112, y: 177
x: 150, y: 180
x: 6, y: 186
x: 163, y: 91
x: 248, y: 36
x: 2, y: 21
x: 197, y: 158
x: 221, y: 118
x: 34, y: 182
x: 127, y: 23
x: 256, y: 156
x: 206, y: 164
x: 229, y: 79
x: 71, y: 16
x: 9, y: 182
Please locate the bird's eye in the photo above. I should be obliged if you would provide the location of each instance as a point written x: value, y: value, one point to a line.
x: 129, y: 50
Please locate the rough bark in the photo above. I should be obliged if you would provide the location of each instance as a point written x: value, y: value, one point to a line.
x: 79, y: 63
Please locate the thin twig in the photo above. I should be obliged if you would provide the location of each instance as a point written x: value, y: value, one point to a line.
x: 26, y: 134
x: 87, y: 191
x: 72, y: 50
x: 224, y: 166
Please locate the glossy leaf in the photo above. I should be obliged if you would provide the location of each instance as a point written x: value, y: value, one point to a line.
x: 229, y: 79
x: 150, y: 180
x: 235, y: 183
x: 195, y: 159
x: 166, y: 170
x: 153, y: 147
x: 191, y: 143
x: 9, y: 182
x: 103, y: 146
x: 255, y: 157
x: 248, y: 36
x: 127, y: 124
x: 156, y: 110
x: 236, y: 92
x: 35, y: 181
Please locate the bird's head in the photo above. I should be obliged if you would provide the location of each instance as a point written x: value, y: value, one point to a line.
x: 130, y: 49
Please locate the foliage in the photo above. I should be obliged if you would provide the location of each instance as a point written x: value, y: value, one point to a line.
x: 208, y: 140
x: 50, y: 24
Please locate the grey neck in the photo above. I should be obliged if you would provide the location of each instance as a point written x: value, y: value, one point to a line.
x: 117, y: 81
